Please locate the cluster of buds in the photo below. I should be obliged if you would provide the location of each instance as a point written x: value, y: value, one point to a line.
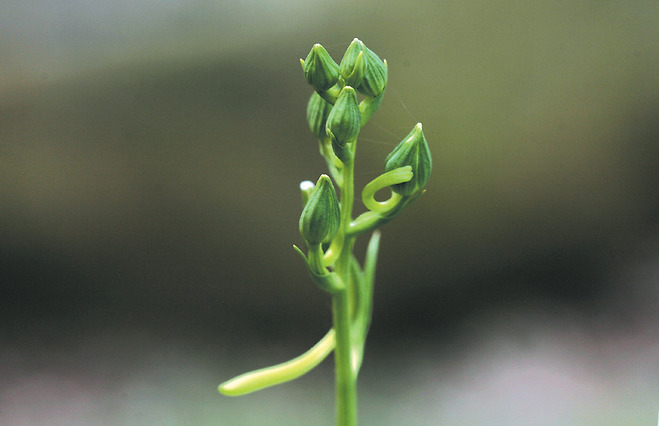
x: 360, y: 68
x: 335, y: 115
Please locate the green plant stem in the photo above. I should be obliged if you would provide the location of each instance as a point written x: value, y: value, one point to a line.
x: 346, y: 381
x: 346, y: 376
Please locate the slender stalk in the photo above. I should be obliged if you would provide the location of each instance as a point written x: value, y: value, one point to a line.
x: 346, y: 378
x: 346, y: 381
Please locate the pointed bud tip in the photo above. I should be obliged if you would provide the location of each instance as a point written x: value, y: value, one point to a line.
x: 416, y: 132
x: 349, y: 89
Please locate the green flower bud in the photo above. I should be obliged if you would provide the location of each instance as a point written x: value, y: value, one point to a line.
x: 413, y: 151
x: 344, y: 121
x: 320, y: 70
x: 375, y: 77
x: 321, y: 216
x: 353, y: 64
x: 318, y: 110
x: 363, y: 69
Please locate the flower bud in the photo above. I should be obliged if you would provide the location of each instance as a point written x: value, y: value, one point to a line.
x: 353, y: 64
x: 318, y: 110
x: 321, y: 216
x: 367, y: 73
x: 413, y: 151
x: 375, y: 77
x: 344, y: 120
x: 320, y: 70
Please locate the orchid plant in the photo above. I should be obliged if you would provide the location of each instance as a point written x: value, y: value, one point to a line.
x: 345, y: 97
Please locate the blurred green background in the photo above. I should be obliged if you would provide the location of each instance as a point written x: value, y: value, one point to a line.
x: 150, y: 156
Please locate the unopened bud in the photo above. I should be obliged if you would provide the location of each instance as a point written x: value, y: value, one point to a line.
x: 318, y: 110
x: 321, y: 215
x: 375, y: 78
x: 364, y: 69
x: 413, y: 151
x: 320, y: 70
x: 353, y: 64
x: 344, y: 121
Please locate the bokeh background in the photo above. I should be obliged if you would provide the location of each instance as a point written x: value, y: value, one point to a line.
x: 150, y: 155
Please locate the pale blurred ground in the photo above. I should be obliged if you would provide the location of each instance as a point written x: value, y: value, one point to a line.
x: 150, y: 154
